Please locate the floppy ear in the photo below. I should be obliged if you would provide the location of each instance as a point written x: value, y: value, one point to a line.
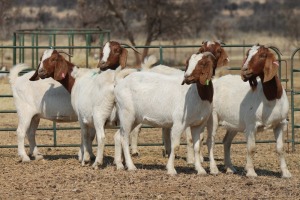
x: 270, y: 69
x: 123, y: 58
x: 35, y: 76
x: 201, y: 50
x: 61, y: 69
x: 205, y: 74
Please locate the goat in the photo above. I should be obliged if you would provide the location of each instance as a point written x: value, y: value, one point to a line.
x: 37, y: 98
x: 139, y: 100
x: 91, y: 97
x: 211, y: 46
x: 250, y: 109
x: 46, y: 99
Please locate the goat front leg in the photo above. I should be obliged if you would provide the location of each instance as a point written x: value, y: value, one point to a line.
x: 85, y: 144
x: 176, y: 132
x: 34, y: 152
x: 197, y: 135
x: 212, y: 125
x: 23, y: 126
x: 227, y: 141
x: 190, y: 157
x: 278, y: 132
x: 134, y: 140
x: 250, y: 134
x: 100, y: 144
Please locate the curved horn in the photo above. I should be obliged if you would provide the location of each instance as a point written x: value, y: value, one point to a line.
x: 220, y: 42
x: 65, y: 53
x: 207, y: 53
x: 274, y: 47
x: 133, y: 48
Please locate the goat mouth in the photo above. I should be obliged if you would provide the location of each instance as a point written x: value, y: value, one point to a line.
x: 246, y: 76
x: 43, y: 76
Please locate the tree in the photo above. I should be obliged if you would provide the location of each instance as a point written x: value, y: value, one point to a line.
x: 153, y: 19
x: 5, y: 5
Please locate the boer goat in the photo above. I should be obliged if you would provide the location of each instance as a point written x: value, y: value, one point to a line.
x: 92, y: 99
x: 263, y: 104
x: 211, y: 46
x: 161, y: 101
x: 41, y: 98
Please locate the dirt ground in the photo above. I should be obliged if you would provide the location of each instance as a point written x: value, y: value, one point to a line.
x: 60, y: 175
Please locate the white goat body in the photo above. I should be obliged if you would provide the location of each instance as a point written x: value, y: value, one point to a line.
x: 240, y: 109
x: 161, y: 101
x: 46, y: 99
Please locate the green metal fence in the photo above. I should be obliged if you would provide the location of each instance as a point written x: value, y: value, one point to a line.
x: 21, y: 44
x: 295, y: 92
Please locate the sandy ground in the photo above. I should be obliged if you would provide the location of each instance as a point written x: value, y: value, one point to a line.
x: 60, y: 175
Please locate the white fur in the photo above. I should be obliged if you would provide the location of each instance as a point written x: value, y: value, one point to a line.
x: 252, y: 52
x: 47, y: 54
x: 240, y: 109
x: 92, y: 99
x: 106, y: 52
x: 46, y: 99
x: 161, y: 101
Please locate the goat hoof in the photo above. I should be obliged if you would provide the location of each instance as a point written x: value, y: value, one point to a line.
x: 39, y: 157
x: 120, y: 167
x: 25, y: 159
x: 286, y: 174
x: 136, y: 154
x: 251, y: 174
x: 214, y: 172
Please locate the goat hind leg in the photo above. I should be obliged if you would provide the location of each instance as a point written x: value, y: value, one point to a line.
x: 278, y: 132
x: 34, y: 152
x: 227, y: 141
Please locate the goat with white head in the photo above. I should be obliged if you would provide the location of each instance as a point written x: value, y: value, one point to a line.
x: 263, y: 104
x: 215, y: 47
x: 91, y: 97
x: 161, y: 101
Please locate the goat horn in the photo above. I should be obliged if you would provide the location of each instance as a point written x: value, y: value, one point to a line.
x: 274, y: 47
x: 65, y: 53
x: 133, y: 48
x: 220, y: 42
x: 207, y: 53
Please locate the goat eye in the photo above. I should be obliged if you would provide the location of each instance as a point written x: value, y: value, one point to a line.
x: 263, y: 55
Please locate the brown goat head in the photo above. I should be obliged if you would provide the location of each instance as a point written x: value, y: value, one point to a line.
x: 199, y: 68
x: 259, y: 61
x: 112, y: 56
x: 217, y: 50
x: 52, y: 64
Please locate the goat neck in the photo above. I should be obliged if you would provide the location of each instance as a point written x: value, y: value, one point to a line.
x: 206, y: 92
x: 68, y: 81
x: 273, y: 88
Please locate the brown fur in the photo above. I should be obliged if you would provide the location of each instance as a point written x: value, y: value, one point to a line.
x: 201, y: 76
x: 117, y: 57
x: 263, y: 64
x: 217, y: 50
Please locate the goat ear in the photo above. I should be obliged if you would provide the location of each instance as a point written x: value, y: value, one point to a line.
x: 201, y: 50
x: 270, y: 69
x: 123, y: 58
x: 206, y: 74
x: 61, y: 70
x: 35, y: 76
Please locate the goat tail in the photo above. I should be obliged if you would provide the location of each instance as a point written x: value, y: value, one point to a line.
x: 149, y: 62
x: 15, y: 70
x: 121, y: 74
